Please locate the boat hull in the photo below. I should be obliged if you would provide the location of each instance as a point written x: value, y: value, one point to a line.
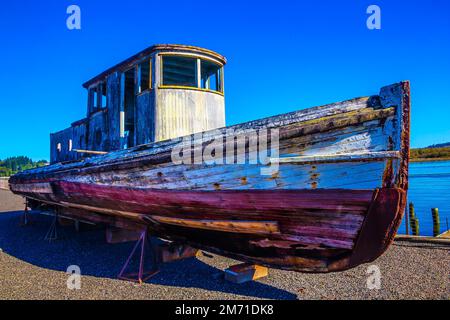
x: 335, y: 199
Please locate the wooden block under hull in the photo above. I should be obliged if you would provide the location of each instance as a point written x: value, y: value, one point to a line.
x: 117, y: 235
x: 65, y: 222
x: 245, y: 272
x: 168, y: 252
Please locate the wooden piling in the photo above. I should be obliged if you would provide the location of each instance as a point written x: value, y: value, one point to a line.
x: 413, y: 220
x: 415, y: 227
x: 411, y: 210
x: 436, y: 222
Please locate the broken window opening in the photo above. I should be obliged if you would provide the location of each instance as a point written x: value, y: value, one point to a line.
x: 129, y: 107
x: 97, y: 97
x: 211, y: 76
x: 92, y: 99
x: 103, y: 103
x: 144, y: 76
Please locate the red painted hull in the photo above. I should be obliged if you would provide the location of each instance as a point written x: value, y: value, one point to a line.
x: 317, y: 230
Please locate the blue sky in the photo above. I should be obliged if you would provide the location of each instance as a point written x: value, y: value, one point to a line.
x: 283, y: 56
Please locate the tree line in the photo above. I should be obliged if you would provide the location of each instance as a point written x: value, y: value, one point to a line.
x: 431, y: 153
x: 12, y: 165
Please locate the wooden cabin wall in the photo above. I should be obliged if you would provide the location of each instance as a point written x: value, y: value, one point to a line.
x: 113, y: 115
x: 145, y: 117
x: 79, y: 140
x: 63, y: 138
x: 97, y: 131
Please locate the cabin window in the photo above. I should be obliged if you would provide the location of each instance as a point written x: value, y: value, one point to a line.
x: 179, y: 71
x: 95, y: 104
x: 129, y: 106
x: 102, y: 91
x: 211, y: 76
x: 92, y: 103
x: 70, y: 144
x: 58, y: 147
x: 144, y: 75
x: 97, y: 97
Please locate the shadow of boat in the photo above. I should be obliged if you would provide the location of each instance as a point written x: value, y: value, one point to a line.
x: 89, y: 250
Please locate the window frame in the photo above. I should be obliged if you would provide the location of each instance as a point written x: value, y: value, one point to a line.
x: 102, y: 85
x: 198, y: 87
x: 95, y: 97
x: 149, y: 61
x: 219, y: 76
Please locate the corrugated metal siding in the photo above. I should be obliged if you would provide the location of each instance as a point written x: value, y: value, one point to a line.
x: 181, y: 112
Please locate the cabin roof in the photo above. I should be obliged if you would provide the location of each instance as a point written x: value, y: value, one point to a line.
x: 126, y: 64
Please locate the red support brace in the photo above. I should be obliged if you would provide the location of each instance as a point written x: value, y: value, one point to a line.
x: 141, y: 276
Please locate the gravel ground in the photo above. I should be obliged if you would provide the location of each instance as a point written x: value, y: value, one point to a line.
x: 31, y: 268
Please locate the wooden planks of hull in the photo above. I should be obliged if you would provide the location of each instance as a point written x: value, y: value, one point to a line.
x: 304, y: 218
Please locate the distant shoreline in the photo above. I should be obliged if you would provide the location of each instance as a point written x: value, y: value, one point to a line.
x: 430, y: 154
x: 429, y: 159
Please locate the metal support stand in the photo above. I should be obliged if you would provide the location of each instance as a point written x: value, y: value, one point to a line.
x: 52, y: 233
x: 141, y: 276
x: 25, y: 219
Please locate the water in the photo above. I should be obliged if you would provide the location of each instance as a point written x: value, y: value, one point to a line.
x: 429, y: 187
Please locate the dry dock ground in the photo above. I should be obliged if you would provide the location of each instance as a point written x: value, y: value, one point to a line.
x: 32, y: 268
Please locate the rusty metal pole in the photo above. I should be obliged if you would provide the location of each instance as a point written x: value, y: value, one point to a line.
x: 141, y: 260
x: 25, y: 214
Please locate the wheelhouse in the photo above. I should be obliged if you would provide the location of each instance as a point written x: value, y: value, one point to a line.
x: 163, y: 92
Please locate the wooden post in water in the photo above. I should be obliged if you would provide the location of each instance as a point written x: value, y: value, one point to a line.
x: 415, y: 226
x: 436, y: 222
x: 413, y: 220
x: 411, y: 210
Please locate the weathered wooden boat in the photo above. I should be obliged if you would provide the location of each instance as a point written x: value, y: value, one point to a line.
x: 335, y: 200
